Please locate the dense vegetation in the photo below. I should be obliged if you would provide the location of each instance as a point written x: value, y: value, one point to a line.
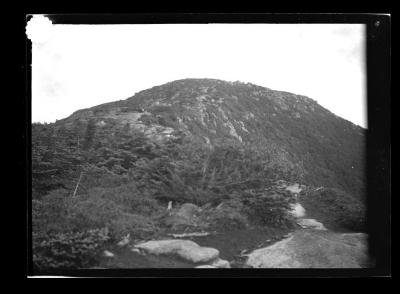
x: 335, y: 208
x: 112, y: 169
x: 91, y: 187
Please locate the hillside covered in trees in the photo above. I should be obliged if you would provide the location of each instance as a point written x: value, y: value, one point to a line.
x: 112, y: 169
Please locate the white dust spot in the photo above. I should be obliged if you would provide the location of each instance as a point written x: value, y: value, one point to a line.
x: 39, y: 29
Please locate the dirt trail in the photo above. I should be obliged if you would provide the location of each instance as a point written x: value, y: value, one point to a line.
x: 313, y: 246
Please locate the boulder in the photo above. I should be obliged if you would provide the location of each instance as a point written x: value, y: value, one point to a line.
x: 107, y: 253
x: 186, y: 215
x: 136, y: 250
x: 313, y: 249
x: 311, y: 223
x: 298, y: 210
x: 221, y: 263
x: 175, y: 221
x: 198, y: 254
x: 185, y: 249
x: 125, y: 241
x: 188, y: 210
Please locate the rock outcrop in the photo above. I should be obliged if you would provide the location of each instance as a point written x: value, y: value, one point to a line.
x: 311, y: 224
x: 184, y: 249
x: 313, y: 249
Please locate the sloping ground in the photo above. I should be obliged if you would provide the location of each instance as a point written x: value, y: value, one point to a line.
x: 314, y: 249
x: 230, y: 244
x: 125, y: 258
x: 310, y: 246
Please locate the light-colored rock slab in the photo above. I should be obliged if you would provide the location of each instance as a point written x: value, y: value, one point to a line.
x: 198, y: 254
x: 221, y: 263
x: 313, y: 249
x: 310, y: 223
x: 107, y: 253
x: 185, y: 249
x: 298, y: 210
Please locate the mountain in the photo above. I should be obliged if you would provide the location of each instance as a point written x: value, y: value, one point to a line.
x: 293, y: 130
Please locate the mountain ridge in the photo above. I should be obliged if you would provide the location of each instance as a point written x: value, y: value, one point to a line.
x: 294, y: 130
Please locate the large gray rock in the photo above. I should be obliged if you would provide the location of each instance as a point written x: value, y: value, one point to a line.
x: 313, y: 249
x: 185, y: 249
x: 221, y: 263
x: 198, y: 254
x: 311, y: 223
x: 186, y: 215
x: 297, y: 210
x: 188, y: 210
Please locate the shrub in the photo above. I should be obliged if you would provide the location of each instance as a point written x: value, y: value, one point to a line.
x: 227, y: 216
x: 269, y: 207
x: 68, y: 250
x: 335, y: 207
x: 138, y: 226
x: 50, y: 213
x: 92, y: 213
x: 128, y: 197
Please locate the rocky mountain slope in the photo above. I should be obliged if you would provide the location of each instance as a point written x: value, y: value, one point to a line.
x: 294, y: 131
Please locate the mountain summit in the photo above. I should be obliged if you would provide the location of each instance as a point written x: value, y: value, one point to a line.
x: 295, y: 131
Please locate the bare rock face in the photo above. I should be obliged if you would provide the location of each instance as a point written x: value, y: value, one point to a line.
x: 313, y: 249
x: 185, y: 249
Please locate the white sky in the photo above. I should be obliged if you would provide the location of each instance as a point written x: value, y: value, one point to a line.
x: 79, y: 66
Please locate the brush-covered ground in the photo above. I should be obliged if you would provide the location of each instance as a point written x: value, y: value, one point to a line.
x: 90, y: 192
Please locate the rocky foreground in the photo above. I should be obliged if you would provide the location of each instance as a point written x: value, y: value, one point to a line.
x: 310, y: 246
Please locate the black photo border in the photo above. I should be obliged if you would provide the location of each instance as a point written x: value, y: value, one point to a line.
x: 378, y: 172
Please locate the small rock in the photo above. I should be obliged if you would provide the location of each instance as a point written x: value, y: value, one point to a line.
x: 188, y: 210
x: 221, y: 263
x: 136, y: 250
x: 125, y: 241
x: 194, y: 234
x: 107, y: 253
